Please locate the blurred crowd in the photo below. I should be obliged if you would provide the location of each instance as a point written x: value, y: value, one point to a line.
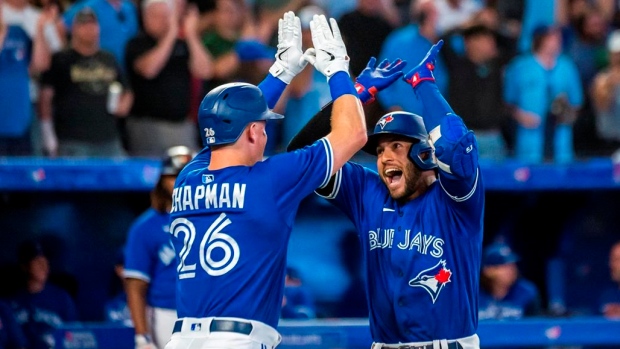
x: 536, y: 80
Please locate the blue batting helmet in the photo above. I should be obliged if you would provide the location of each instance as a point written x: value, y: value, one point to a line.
x: 227, y: 109
x: 408, y: 125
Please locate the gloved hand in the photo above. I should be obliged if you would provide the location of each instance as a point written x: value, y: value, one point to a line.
x: 424, y: 70
x: 374, y: 79
x: 144, y: 341
x: 289, y: 57
x: 329, y: 54
x: 252, y: 50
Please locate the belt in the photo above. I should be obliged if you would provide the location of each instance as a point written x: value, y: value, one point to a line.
x: 453, y: 345
x: 222, y: 326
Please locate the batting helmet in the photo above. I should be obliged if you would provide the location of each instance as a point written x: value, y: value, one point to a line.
x: 227, y: 109
x: 175, y: 159
x: 411, y: 126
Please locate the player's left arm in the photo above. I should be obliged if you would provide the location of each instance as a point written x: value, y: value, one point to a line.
x: 456, y: 150
x: 289, y: 59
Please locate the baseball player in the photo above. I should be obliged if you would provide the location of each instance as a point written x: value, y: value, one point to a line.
x: 150, y: 271
x: 419, y: 219
x: 232, y: 216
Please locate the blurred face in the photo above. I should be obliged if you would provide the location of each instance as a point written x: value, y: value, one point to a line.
x: 86, y: 32
x: 229, y: 14
x: 167, y: 183
x: 502, y: 275
x: 395, y: 168
x: 595, y: 27
x: 552, y: 43
x: 39, y: 269
x: 614, y: 263
x: 481, y: 46
x: 157, y: 19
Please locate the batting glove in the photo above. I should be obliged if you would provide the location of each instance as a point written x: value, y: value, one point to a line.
x: 374, y: 79
x: 329, y: 54
x: 144, y: 341
x: 424, y: 70
x: 289, y: 57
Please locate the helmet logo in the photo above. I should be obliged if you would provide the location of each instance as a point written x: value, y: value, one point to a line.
x: 209, y: 133
x: 385, y: 120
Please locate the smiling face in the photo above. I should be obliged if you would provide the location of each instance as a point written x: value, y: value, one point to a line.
x: 396, y: 170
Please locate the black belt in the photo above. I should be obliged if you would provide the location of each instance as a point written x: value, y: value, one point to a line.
x: 218, y: 325
x: 453, y: 345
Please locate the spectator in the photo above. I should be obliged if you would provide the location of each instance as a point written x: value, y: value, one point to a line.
x: 545, y: 94
x: 411, y: 43
x: 150, y: 269
x: 77, y: 115
x: 11, y: 334
x: 116, y: 310
x: 160, y: 66
x: 610, y: 298
x: 376, y: 19
x: 118, y: 20
x: 298, y: 302
x: 475, y: 88
x: 40, y: 306
x: 454, y: 13
x: 24, y: 52
x: 605, y: 94
x: 504, y: 294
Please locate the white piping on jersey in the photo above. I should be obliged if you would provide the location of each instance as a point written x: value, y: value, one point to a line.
x: 385, y: 209
x: 330, y: 161
x: 435, y: 134
x: 443, y: 166
x: 336, y: 188
x: 135, y: 274
x: 473, y: 190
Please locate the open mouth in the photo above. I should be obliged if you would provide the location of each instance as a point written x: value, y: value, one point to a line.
x: 393, y: 176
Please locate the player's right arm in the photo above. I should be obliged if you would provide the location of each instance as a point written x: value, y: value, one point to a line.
x: 348, y: 124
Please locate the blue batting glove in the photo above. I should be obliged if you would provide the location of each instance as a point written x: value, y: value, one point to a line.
x: 252, y: 50
x: 424, y: 70
x: 374, y: 79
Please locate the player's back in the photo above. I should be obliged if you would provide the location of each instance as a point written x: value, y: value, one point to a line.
x: 231, y: 228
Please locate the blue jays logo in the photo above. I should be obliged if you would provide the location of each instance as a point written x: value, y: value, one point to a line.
x: 433, y: 279
x: 385, y: 120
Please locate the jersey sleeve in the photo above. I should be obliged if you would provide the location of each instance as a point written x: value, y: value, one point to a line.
x: 297, y: 174
x: 137, y: 260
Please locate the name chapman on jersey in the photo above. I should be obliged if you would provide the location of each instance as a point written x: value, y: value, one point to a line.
x: 423, y: 243
x: 208, y: 196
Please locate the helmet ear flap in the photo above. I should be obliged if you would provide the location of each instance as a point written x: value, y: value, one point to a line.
x: 423, y: 155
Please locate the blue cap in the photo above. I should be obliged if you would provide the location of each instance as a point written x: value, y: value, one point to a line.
x: 498, y: 254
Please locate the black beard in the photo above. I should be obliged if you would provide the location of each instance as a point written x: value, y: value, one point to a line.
x: 411, y: 174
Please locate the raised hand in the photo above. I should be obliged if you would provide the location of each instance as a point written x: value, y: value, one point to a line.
x: 376, y: 78
x: 424, y: 70
x: 329, y: 54
x: 289, y: 57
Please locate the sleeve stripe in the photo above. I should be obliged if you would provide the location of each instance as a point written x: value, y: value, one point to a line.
x: 134, y: 274
x: 464, y: 198
x: 330, y: 161
x: 336, y: 187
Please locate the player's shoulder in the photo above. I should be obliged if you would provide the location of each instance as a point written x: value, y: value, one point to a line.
x: 146, y: 217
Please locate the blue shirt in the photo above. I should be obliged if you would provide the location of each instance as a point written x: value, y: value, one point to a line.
x: 116, y: 27
x: 39, y: 314
x: 407, y: 44
x: 609, y: 296
x: 535, y: 14
x: 117, y: 311
x: 11, y: 335
x: 149, y: 256
x: 522, y: 300
x: 231, y: 229
x: 531, y: 87
x: 299, y: 303
x: 15, y: 105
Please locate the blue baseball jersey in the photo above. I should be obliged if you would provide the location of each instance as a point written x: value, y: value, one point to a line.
x: 39, y: 314
x: 422, y: 257
x: 231, y: 229
x: 150, y: 256
x: 522, y: 300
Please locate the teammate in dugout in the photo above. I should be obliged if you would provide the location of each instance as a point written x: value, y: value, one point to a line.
x: 233, y: 212
x: 419, y: 218
x: 149, y: 270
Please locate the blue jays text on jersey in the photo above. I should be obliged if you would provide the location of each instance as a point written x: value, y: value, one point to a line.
x: 230, y: 229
